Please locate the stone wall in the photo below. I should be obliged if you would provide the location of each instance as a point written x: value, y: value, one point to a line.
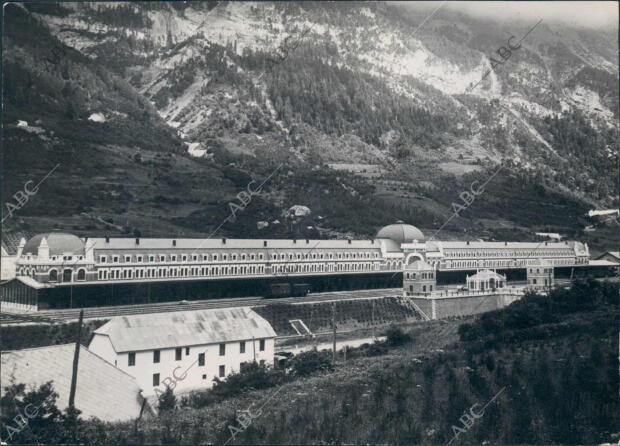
x: 444, y: 307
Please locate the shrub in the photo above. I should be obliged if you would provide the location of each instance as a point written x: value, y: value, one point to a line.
x: 251, y: 376
x: 396, y: 336
x: 310, y: 362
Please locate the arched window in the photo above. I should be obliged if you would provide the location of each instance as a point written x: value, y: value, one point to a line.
x: 53, y: 275
x: 81, y: 275
x: 66, y: 275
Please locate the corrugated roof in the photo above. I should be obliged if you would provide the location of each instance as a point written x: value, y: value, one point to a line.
x: 218, y: 243
x: 102, y: 391
x: 185, y: 328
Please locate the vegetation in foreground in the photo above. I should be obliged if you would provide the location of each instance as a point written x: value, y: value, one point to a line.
x: 550, y: 362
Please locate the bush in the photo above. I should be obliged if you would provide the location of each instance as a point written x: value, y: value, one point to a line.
x: 252, y: 376
x: 376, y: 349
x: 310, y: 362
x: 41, y: 419
x: 396, y: 336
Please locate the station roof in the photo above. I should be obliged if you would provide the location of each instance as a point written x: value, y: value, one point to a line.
x: 219, y: 243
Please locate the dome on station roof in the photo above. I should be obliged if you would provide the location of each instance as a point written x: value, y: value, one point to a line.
x: 401, y: 233
x: 59, y: 243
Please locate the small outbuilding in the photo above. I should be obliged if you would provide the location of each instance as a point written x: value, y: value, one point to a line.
x: 485, y: 280
x: 419, y: 278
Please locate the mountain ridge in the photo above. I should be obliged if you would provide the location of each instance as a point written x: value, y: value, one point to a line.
x: 360, y: 88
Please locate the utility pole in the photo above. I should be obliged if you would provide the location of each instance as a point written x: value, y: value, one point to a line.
x: 76, y: 358
x: 334, y: 326
x: 373, y: 321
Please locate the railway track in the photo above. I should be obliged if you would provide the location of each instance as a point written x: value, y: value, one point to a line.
x: 67, y: 315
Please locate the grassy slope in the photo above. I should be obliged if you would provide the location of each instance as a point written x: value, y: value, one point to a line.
x: 559, y: 381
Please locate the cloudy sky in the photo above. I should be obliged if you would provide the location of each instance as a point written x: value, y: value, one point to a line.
x: 593, y: 14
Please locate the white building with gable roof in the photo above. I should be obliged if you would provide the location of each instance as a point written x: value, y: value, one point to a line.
x: 185, y: 350
x: 102, y: 390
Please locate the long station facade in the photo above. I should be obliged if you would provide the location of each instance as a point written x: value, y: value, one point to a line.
x: 60, y: 270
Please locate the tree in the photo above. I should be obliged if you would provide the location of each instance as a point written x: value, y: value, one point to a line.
x: 396, y: 336
x: 167, y: 400
x: 30, y: 417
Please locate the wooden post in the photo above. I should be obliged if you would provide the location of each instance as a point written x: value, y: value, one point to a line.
x: 334, y: 326
x: 254, y: 348
x: 373, y: 320
x: 76, y: 358
x: 139, y: 416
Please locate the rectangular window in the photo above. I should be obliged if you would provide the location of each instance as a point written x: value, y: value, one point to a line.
x: 102, y: 259
x: 127, y: 259
x: 131, y: 359
x: 261, y: 345
x: 173, y: 258
x: 242, y: 347
x: 151, y: 258
x: 222, y: 349
x: 222, y: 371
x: 162, y: 258
x: 139, y: 258
x: 156, y: 356
x: 115, y: 259
x: 178, y: 354
x: 187, y: 350
x: 155, y: 379
x: 201, y: 359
